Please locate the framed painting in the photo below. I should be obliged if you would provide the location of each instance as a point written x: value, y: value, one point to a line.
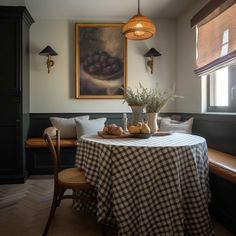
x: 101, y: 58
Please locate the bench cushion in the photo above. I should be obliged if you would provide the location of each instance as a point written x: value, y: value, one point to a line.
x: 222, y: 164
x: 40, y: 143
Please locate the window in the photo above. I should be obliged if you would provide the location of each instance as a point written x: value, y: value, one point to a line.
x: 218, y: 85
x: 221, y: 90
x: 215, y: 26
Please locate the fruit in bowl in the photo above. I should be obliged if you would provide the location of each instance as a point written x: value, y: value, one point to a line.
x: 140, y: 128
x: 102, y: 65
x: 134, y: 129
x: 145, y: 129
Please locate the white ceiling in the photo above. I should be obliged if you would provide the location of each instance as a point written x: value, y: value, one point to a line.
x: 104, y: 9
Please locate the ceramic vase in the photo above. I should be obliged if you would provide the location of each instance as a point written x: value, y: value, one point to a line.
x: 152, y: 122
x: 137, y: 114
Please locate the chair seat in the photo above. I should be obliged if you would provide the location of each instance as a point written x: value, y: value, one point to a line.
x: 73, y: 178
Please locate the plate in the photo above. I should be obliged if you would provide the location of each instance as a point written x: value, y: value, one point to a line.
x: 109, y: 136
x: 161, y: 133
x: 142, y: 135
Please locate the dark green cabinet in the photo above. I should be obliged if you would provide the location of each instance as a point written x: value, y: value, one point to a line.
x: 14, y: 92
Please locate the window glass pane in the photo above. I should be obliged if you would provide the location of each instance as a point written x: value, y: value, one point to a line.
x: 219, y: 95
x: 225, y: 43
x: 232, y: 84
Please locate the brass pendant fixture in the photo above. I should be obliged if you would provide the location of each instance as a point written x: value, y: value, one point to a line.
x: 139, y: 27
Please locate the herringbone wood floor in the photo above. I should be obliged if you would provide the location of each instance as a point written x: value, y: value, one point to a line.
x: 24, y: 209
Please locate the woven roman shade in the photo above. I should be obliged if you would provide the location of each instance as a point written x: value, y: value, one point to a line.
x: 216, y: 37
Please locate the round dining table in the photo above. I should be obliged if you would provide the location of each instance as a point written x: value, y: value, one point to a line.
x: 154, y: 186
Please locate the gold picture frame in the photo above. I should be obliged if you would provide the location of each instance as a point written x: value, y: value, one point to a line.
x: 101, y: 61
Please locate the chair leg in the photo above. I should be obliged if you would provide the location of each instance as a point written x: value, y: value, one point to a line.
x: 60, y: 196
x: 104, y: 232
x: 52, y: 211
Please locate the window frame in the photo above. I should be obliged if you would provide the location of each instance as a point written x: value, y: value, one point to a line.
x: 224, y: 109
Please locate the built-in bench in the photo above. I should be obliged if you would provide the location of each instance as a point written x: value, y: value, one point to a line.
x: 218, y: 130
x: 222, y: 164
x: 223, y: 187
x: 38, y: 158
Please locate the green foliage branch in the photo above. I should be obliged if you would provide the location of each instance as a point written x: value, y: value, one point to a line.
x: 153, y: 99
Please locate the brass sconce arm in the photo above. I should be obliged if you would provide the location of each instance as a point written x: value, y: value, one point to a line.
x: 49, y: 63
x: 49, y: 52
x: 150, y: 54
x: 150, y: 64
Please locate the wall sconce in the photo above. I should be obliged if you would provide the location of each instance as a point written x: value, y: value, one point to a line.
x: 150, y: 54
x: 48, y: 51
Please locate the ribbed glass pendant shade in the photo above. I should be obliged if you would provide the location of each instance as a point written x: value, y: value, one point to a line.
x: 139, y: 27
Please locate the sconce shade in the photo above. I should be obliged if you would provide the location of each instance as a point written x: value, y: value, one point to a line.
x: 48, y: 51
x: 139, y: 27
x: 152, y: 53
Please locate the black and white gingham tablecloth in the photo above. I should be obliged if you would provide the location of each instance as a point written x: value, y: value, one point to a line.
x: 156, y: 186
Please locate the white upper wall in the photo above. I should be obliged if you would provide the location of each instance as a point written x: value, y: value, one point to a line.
x: 187, y: 83
x: 100, y: 9
x: 55, y: 92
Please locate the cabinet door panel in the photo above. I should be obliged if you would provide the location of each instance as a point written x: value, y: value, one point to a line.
x: 10, y: 109
x: 9, y: 57
x: 10, y: 157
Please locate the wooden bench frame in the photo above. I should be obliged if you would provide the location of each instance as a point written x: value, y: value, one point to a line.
x: 40, y: 143
x: 222, y: 164
x: 39, y: 161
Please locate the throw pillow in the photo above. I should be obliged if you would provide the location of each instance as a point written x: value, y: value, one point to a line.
x: 172, y: 120
x: 89, y: 126
x: 66, y: 125
x: 183, y: 127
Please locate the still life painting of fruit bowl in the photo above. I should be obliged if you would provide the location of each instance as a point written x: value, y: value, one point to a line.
x: 100, y: 61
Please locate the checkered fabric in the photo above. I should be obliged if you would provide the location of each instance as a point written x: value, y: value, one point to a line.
x: 150, y: 189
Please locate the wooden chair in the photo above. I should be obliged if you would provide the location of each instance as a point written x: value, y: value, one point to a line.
x: 71, y: 178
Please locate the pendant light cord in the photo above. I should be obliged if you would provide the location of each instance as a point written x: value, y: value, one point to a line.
x: 138, y: 7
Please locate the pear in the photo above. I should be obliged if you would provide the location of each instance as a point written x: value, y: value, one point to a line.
x: 139, y: 124
x: 145, y: 129
x: 134, y: 129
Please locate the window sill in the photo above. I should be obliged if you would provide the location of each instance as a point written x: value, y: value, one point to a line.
x: 219, y: 113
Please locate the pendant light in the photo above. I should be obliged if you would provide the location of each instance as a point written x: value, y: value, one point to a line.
x: 139, y: 27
